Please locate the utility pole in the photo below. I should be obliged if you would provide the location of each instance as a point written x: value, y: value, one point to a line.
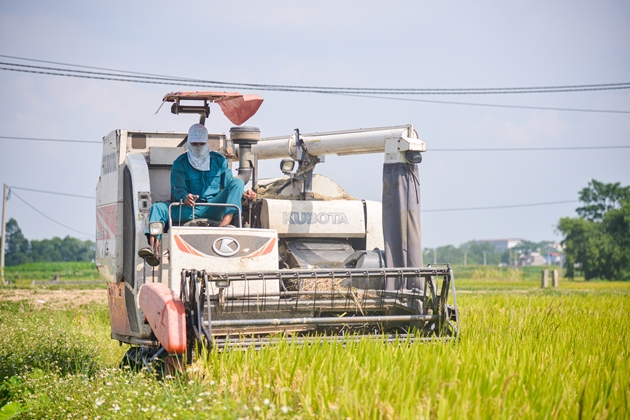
x: 484, y: 257
x: 465, y: 256
x: 4, y: 230
x: 434, y: 255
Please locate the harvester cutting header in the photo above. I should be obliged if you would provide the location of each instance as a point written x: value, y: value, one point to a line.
x: 191, y: 256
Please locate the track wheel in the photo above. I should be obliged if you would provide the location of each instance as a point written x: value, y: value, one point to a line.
x: 132, y: 359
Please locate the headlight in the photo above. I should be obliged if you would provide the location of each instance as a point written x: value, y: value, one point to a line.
x: 156, y: 228
x: 287, y: 165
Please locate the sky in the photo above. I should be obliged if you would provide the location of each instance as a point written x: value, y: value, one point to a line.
x: 403, y: 44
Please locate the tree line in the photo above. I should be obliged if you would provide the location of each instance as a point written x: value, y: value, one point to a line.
x: 476, y: 253
x: 20, y: 250
x: 597, y: 243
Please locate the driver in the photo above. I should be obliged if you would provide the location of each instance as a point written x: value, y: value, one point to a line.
x: 198, y: 176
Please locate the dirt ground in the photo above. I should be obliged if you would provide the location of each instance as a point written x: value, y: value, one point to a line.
x: 55, y: 299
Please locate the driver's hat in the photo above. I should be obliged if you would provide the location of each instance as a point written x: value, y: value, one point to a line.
x: 197, y: 133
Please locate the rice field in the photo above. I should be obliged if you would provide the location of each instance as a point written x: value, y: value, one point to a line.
x: 22, y: 275
x: 523, y: 353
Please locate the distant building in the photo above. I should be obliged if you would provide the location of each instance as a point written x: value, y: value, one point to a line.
x: 555, y: 258
x: 501, y: 245
x: 533, y: 258
x: 554, y: 254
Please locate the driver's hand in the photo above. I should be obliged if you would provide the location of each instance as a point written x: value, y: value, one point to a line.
x: 250, y: 194
x: 190, y: 199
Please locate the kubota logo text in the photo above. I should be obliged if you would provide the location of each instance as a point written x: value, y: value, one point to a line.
x: 312, y: 218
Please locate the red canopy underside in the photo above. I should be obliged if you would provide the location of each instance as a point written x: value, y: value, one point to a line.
x: 240, y: 109
x: 237, y: 107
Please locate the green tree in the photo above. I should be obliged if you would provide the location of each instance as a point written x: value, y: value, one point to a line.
x: 476, y: 251
x: 598, y: 241
x: 46, y: 250
x: 17, y: 249
x: 616, y: 241
x: 578, y: 245
x: 66, y: 249
x: 445, y: 254
x: 20, y: 250
x: 455, y: 255
x: 599, y: 198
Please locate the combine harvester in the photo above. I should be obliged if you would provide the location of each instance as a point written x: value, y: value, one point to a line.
x: 304, y: 259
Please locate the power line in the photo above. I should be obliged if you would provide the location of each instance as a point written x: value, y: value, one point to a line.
x: 79, y: 65
x: 55, y: 140
x: 53, y: 192
x: 529, y: 149
x: 423, y: 211
x: 328, y: 89
x: 154, y: 82
x: 428, y: 211
x: 304, y: 89
x: 98, y: 78
x: 544, y: 108
x: 133, y: 77
x: 50, y: 218
x: 550, y: 203
x: 516, y: 149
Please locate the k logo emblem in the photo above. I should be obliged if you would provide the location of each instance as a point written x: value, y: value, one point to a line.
x: 226, y: 246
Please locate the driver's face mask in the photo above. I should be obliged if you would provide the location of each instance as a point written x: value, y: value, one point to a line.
x: 199, y: 156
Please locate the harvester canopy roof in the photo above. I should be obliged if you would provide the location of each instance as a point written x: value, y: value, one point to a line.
x: 237, y: 107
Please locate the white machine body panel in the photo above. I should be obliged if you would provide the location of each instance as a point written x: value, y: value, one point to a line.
x: 224, y: 250
x: 374, y: 225
x: 109, y: 210
x: 314, y: 219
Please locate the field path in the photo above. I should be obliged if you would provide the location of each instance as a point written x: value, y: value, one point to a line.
x: 55, y: 299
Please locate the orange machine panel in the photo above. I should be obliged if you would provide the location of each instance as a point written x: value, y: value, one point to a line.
x: 166, y: 316
x: 118, y: 318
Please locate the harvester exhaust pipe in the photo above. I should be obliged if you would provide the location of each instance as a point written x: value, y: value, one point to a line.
x: 245, y: 138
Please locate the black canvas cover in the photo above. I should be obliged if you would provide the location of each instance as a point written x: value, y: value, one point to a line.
x: 401, y: 221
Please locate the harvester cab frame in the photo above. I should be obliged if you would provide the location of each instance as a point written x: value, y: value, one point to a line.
x: 304, y: 260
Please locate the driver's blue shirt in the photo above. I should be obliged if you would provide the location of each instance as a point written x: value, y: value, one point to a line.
x: 206, y: 184
x: 216, y: 186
